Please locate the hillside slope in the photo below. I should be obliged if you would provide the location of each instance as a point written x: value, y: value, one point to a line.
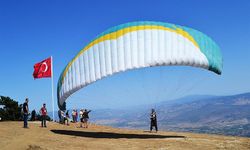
x: 228, y: 115
x: 58, y: 137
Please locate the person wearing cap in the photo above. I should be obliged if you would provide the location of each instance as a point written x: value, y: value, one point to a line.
x: 25, y: 113
x: 43, y: 112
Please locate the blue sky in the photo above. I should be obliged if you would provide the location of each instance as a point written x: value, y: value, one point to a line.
x: 31, y: 31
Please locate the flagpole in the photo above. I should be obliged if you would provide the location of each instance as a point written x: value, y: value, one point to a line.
x: 52, y: 88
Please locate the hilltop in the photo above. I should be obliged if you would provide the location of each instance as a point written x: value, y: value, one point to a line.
x: 58, y: 137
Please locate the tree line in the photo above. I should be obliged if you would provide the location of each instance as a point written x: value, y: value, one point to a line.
x: 10, y: 110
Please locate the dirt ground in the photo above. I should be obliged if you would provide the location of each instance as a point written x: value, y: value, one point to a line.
x: 57, y: 136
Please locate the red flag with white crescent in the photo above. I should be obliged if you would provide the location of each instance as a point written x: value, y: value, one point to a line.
x: 42, y: 69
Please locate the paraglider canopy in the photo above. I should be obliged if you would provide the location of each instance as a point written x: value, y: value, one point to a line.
x: 137, y: 45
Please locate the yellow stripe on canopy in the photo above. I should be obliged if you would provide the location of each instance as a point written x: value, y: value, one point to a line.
x: 119, y: 33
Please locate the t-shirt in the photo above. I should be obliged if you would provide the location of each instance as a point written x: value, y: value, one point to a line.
x: 25, y: 106
x: 81, y: 114
x: 43, y: 111
x: 86, y: 114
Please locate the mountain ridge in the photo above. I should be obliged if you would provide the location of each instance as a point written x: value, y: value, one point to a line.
x: 227, y: 115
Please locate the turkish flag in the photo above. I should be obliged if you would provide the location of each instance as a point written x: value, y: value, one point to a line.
x: 42, y: 69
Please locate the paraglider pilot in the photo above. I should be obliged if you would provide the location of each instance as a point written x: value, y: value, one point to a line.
x: 153, y: 119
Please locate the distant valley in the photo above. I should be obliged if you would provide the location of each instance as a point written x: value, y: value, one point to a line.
x: 227, y: 115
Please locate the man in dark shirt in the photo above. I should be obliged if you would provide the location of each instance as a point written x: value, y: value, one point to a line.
x: 153, y: 119
x: 59, y: 116
x: 25, y: 113
x: 86, y: 118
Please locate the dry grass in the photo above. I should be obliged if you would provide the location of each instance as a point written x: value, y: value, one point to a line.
x: 56, y: 136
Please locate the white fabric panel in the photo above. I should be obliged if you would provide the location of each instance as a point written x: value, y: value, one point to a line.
x: 107, y: 53
x: 66, y: 82
x: 72, y: 79
x: 97, y: 62
x: 141, y: 51
x: 189, y: 54
x: 82, y: 72
x: 62, y: 91
x: 161, y: 47
x: 184, y: 52
x: 135, y: 49
x: 69, y: 80
x: 168, y: 45
x: 155, y: 47
x: 73, y: 74
x: 175, y: 50
x: 91, y: 65
x: 102, y: 59
x: 179, y: 52
x: 86, y: 67
x: 120, y: 48
x: 66, y: 86
x: 114, y: 56
x: 127, y: 51
x: 147, y: 48
x: 77, y: 73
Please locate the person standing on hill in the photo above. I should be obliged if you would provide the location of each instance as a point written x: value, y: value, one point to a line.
x: 43, y: 112
x: 86, y: 118
x: 73, y: 115
x: 153, y: 119
x: 59, y: 116
x: 81, y: 118
x: 76, y: 119
x: 25, y: 113
x: 63, y: 117
x: 67, y: 117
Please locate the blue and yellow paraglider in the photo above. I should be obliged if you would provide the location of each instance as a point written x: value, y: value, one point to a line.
x: 137, y: 45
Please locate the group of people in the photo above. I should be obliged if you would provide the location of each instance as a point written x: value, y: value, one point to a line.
x: 25, y: 110
x: 64, y: 118
x: 84, y: 117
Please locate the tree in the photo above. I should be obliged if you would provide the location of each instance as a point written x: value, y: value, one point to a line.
x: 10, y: 109
x: 33, y: 115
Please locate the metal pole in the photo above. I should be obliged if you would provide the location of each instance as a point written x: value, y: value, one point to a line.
x: 52, y: 88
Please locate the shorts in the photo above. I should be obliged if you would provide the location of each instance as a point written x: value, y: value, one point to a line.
x: 81, y: 119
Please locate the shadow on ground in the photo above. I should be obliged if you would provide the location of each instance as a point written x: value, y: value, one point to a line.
x: 111, y: 135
